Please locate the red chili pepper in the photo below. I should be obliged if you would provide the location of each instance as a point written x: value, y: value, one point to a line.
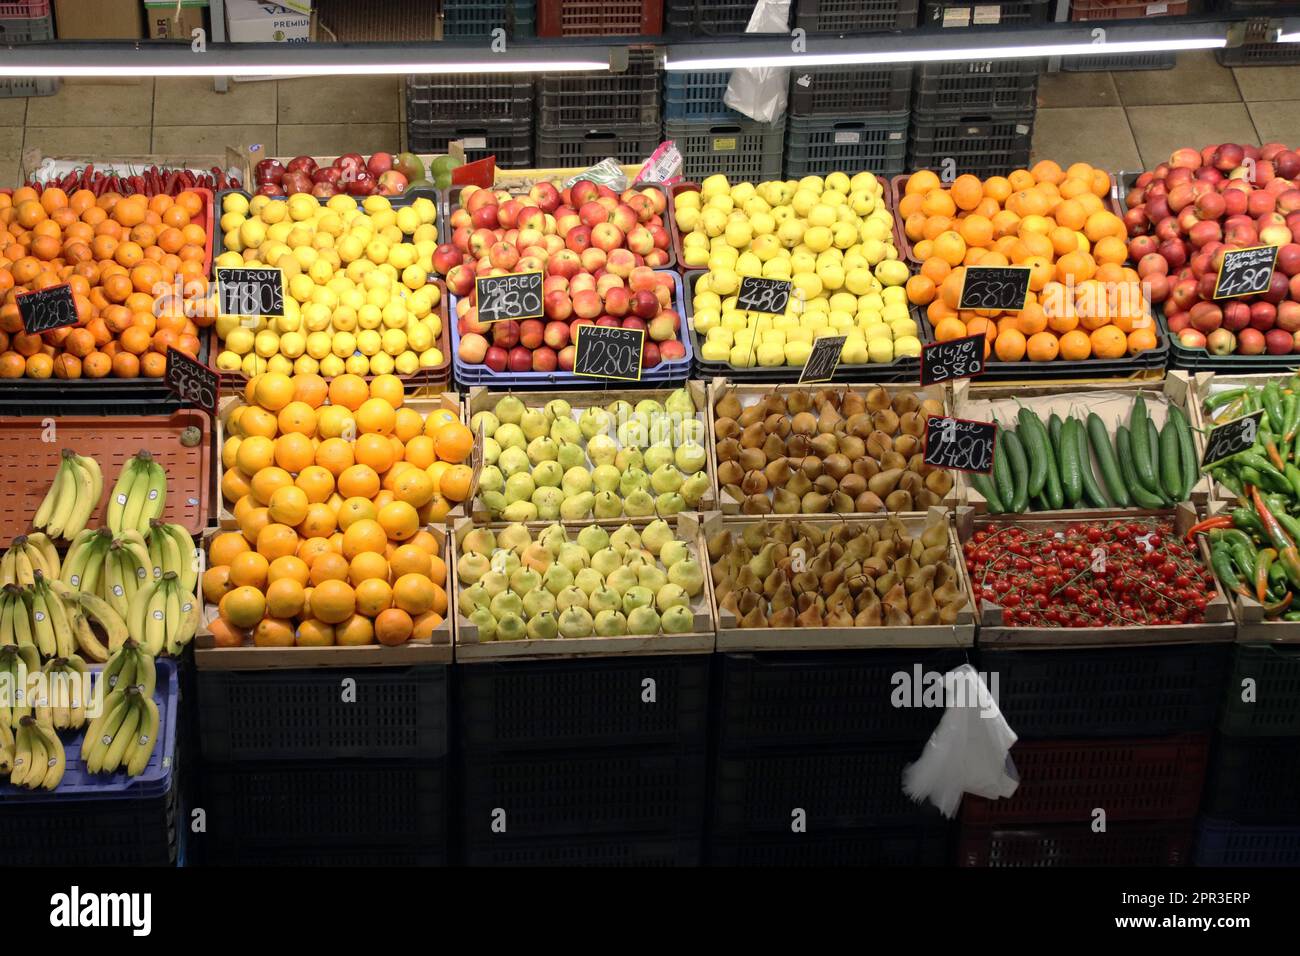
x: 1263, y: 562
x: 1274, y: 455
x: 170, y: 185
x: 236, y: 183
x: 1209, y: 524
x: 86, y: 174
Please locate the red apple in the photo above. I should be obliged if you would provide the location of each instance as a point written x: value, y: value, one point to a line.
x: 473, y: 348
x: 1206, y: 317
x: 1223, y: 342
x: 1278, y: 341
x: 545, y: 195
x: 645, y: 304
x: 593, y: 259
x: 1177, y: 321
x: 578, y: 239
x: 460, y: 280
x: 583, y: 191
x: 531, y: 332
x: 564, y: 263
x: 556, y: 335
x: 649, y: 355
x: 557, y: 305
x: 1191, y: 339
x: 1236, y: 316
x: 1288, y: 316
x: 582, y: 282
x: 503, y: 256
x: 640, y: 241
x: 1174, y: 252
x: 1156, y: 287
x: 324, y: 190
x: 379, y: 164
x: 587, y: 304
x: 505, y: 334
x: 303, y: 164
x: 566, y: 358
x: 620, y: 262
x: 1141, y: 246
x: 593, y: 214
x: 496, y: 359
x: 661, y: 328
x: 606, y: 236
x: 618, y: 302
x: 544, y: 360
x: 672, y: 351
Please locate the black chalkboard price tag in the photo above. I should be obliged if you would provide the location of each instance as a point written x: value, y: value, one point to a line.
x: 960, y: 444
x: 956, y: 358
x: 1003, y: 288
x: 251, y: 291
x: 606, y: 351
x: 192, y: 381
x: 516, y: 296
x: 763, y: 295
x: 46, y: 309
x: 1245, y: 271
x: 823, y: 359
x: 1231, y: 438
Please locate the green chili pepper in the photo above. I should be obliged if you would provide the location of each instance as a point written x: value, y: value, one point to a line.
x: 1291, y: 412
x: 1277, y: 582
x: 1263, y: 561
x: 1233, y: 536
x: 1222, y: 565
x: 1248, y: 521
x: 1229, y: 480
x: 1219, y: 399
x: 1244, y: 557
x: 1291, y: 616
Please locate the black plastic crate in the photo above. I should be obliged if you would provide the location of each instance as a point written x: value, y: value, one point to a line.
x: 1274, y: 670
x: 300, y: 714
x: 511, y: 142
x: 817, y: 146
x: 855, y: 16
x: 982, y: 144
x: 693, y: 18
x: 342, y: 806
x: 963, y: 14
x: 1075, y: 844
x: 1223, y: 843
x: 976, y: 86
x: 579, y: 793
x: 741, y: 150
x: 444, y: 98
x: 586, y: 147
x: 464, y: 20
x: 848, y: 90
x: 538, y: 705
x: 1119, y: 62
x: 1200, y: 360
x: 841, y: 789
x: 1109, y: 692
x: 386, y: 856
x: 621, y: 850
x: 131, y: 832
x: 1259, y: 54
x: 1255, y: 780
x: 876, y: 846
x: 784, y: 699
x: 597, y: 100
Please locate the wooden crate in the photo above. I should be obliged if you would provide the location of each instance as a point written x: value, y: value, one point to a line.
x: 733, y: 638
x: 207, y: 656
x: 752, y: 394
x: 1252, y: 626
x: 424, y: 401
x: 479, y: 398
x: 469, y: 648
x: 1204, y: 385
x: 1219, y: 625
x: 1111, y: 401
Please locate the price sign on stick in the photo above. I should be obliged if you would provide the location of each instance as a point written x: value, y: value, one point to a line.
x: 194, y: 382
x: 1231, y: 438
x: 1245, y: 271
x: 46, y: 309
x: 517, y: 296
x: 960, y: 444
x: 602, y: 351
x: 956, y: 358
x: 763, y: 295
x: 995, y: 287
x: 823, y: 359
x: 251, y: 292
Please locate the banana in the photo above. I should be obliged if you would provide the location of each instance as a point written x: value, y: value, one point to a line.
x: 171, y: 607
x: 92, y: 581
x: 42, y: 702
x: 42, y: 543
x: 101, y: 612
x: 66, y: 484
x: 51, y: 500
x: 137, y: 613
x: 6, y: 747
x: 8, y: 567
x: 112, y: 674
x: 103, y: 729
x: 155, y: 626
x: 77, y: 705
x: 115, y: 588
x: 189, y: 625
x: 22, y: 619
x: 7, y: 618
x: 56, y: 759
x: 22, y: 753
x: 23, y: 567
x: 146, y: 737
x: 87, y: 642
x: 138, y: 493
x: 117, y: 500
x: 156, y: 497
x: 146, y: 672
x: 187, y: 570
x: 35, y: 775
x: 35, y: 556
x: 156, y: 544
x: 90, y: 488
x: 136, y: 559
x: 65, y: 638
x: 42, y: 625
x: 79, y: 555
x: 54, y: 709
x: 125, y: 733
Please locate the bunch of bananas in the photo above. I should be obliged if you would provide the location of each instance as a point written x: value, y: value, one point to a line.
x: 165, y: 614
x: 33, y: 753
x: 55, y: 620
x: 130, y: 666
x: 125, y: 733
x: 62, y: 704
x: 17, y: 667
x: 28, y: 554
x: 73, y: 495
x: 138, y: 497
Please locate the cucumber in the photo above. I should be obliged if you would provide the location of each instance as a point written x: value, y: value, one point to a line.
x: 1052, y: 487
x: 1124, y: 446
x: 1037, y: 453
x: 1143, y: 462
x: 1067, y: 456
x: 1019, y: 470
x: 1153, y: 444
x: 1002, y: 471
x: 1188, y: 464
x: 984, y: 485
x: 1171, y: 473
x: 1054, y: 426
x: 1093, y: 496
x: 1110, y: 473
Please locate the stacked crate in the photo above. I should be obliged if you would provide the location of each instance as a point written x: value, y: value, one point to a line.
x: 583, y: 118
x: 491, y: 113
x: 1252, y: 801
x: 1112, y: 752
x: 476, y: 19
x: 1258, y: 50
x: 597, y: 18
x: 1091, y: 10
x: 26, y: 21
x: 691, y: 19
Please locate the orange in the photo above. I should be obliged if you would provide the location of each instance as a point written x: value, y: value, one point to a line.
x: 288, y: 566
x: 225, y: 547
x: 377, y: 416
x: 393, y: 626
x: 254, y: 453
x: 1109, y: 342
x: 425, y: 625
x: 288, y: 505
x: 938, y: 202
x: 1010, y: 345
x: 950, y: 247
x: 335, y: 421
x: 1047, y: 171
x: 358, y: 481
x: 455, y: 483
x: 311, y: 389
x: 921, y: 181
x: 977, y: 230
x: 297, y: 417
x: 373, y: 596
x: 949, y: 329
x: 1140, y: 340
x: 216, y: 582
x: 1031, y: 319
x: 375, y: 451
x: 276, y: 540
x: 272, y: 632
x: 367, y: 565
x: 364, y: 535
x: 398, y: 519
x: 920, y: 290
x: 312, y: 548
x: 328, y: 566
x: 419, y: 451
x: 285, y: 598
x: 413, y: 593
x: 249, y: 570
x: 258, y: 421
x: 414, y: 486
x: 1104, y: 223
x: 1063, y: 240
x: 426, y: 542
x: 319, y: 522
x: 334, y: 455
x: 997, y: 188
x: 356, y: 509
x: 316, y: 482
x: 1075, y: 266
x: 389, y: 388
x: 1075, y: 346
x: 967, y: 191
x: 355, y: 630
x: 1110, y: 250
x: 313, y: 633
x: 223, y: 635
x: 453, y: 442
x: 348, y: 390
x: 1042, y: 347
x: 333, y: 601
x: 273, y: 391
x: 253, y: 521
x: 243, y: 607
x: 411, y: 559
x: 267, y: 481
x: 935, y: 270
x: 294, y: 452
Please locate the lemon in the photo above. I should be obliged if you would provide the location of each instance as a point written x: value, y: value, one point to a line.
x: 318, y: 344
x: 331, y: 365
x: 381, y: 363
x: 370, y: 316
x: 266, y: 343
x: 430, y: 358
x: 406, y: 363
x: 236, y: 203
x: 302, y: 206
x: 344, y: 344
x: 357, y: 364
x: 240, y: 341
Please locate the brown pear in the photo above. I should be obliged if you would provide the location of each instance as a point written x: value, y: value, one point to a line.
x: 749, y: 600
x: 752, y: 458
x: 897, y: 617
x: 805, y: 423
x: 797, y: 446
x: 934, y: 533
x: 885, y: 421
x: 868, y: 617
x: 939, y: 482
x: 929, y: 407
x: 751, y: 415
x: 857, y: 548
x: 730, y: 472
x: 841, y: 503
x: 778, y: 425
x: 922, y: 600
x: 805, y: 582
x: 728, y: 406
x: 886, y: 582
x: 825, y: 445
x: 899, y: 501
x: 812, y: 533
x: 852, y: 404
x: 821, y: 563
x: 755, y: 618
x: 885, y: 482
x: 827, y: 419
x: 728, y: 450
x: 755, y: 536
x: 785, y: 502
x: 826, y: 485
x: 867, y: 468
x: 906, y: 402
x: 754, y: 483
x: 831, y: 580
x: 797, y: 402
x: 892, y: 459
x: 785, y: 617
x: 905, y: 566
x: 811, y: 467
x: 859, y: 425
x: 726, y: 428
x: 733, y: 492
x: 906, y: 445
x: 799, y: 484
x: 783, y: 532
x: 948, y: 593
x: 837, y: 465
x: 867, y: 598
x: 774, y: 404
x: 948, y: 612
x: 811, y: 617
x: 932, y: 556
x: 719, y: 545
x: 753, y: 436
x: 777, y: 472
x: 945, y: 573
x: 763, y: 563
x: 896, y: 596
x: 925, y: 499
x: 853, y: 485
x: 828, y: 396
x: 884, y: 549
x: 878, y: 443
x: 747, y: 580
x: 926, y: 618
x: 912, y: 423
x: 773, y: 447
x: 808, y: 599
x: 839, y: 617
x: 876, y: 399
x: 756, y: 505
x: 773, y: 582
x: 783, y: 596
x: 911, y: 482
x: 852, y: 447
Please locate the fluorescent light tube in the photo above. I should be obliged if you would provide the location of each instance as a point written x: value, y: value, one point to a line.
x: 204, y: 66
x: 1289, y: 38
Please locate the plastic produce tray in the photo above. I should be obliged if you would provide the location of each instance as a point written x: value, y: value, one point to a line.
x: 28, y: 86
x: 509, y: 141
x: 790, y: 698
x: 899, y: 370
x: 441, y: 98
x: 619, y: 850
x: 400, y: 713
x: 587, y: 18
x: 853, y: 90
x: 1223, y: 843
x: 539, y: 705
x: 463, y: 20
x: 1255, y: 780
x: 977, y: 86
x: 1275, y: 712
x: 741, y: 150
x: 693, y: 18
x: 1200, y: 360
x: 1075, y: 844
x: 567, y: 101
x: 697, y: 97
x: 855, y: 16
x: 581, y: 148
x: 946, y: 14
x: 872, y: 846
x: 110, y: 440
x: 982, y: 143
x: 1133, y: 779
x: 1109, y: 692
x: 820, y: 145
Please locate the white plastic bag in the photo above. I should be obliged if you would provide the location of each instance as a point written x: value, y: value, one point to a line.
x: 969, y: 752
x: 760, y: 92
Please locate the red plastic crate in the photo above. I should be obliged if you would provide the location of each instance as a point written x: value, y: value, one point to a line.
x: 599, y: 18
x: 24, y: 9
x: 1156, y: 778
x: 1125, y: 9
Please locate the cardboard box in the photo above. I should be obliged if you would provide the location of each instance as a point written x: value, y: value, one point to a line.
x: 98, y: 19
x: 256, y: 21
x: 170, y: 20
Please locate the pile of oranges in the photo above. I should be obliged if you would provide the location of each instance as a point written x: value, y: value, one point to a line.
x: 118, y: 254
x: 1083, y: 301
x: 332, y: 486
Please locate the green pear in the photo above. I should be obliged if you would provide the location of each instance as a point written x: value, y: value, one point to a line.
x: 593, y: 422
x: 651, y: 576
x: 543, y: 449
x: 538, y: 557
x: 656, y: 534
x: 593, y: 538
x: 510, y: 436
x: 661, y: 431
x: 649, y: 407
x: 543, y: 626
x: 519, y: 487
x: 557, y: 578
x: 480, y: 540
x: 605, y: 478
x: 603, y: 599
x: 576, y: 622
x: 509, y: 410
x: 620, y: 411
x: 548, y: 502
x: 589, y: 579
x: 637, y: 596
x: 548, y: 474
x: 671, y: 595
x: 624, y: 539
x: 607, y: 505
x: 574, y: 557
x: 643, y: 620
x: 634, y: 479
x: 638, y: 558
x: 524, y: 580
x: 472, y: 598
x: 571, y: 455
x: 621, y: 579
x: 677, y: 620
x: 672, y: 552
x: 680, y: 402
x: 513, y: 461
x: 507, y: 602
x: 565, y: 430
x: 606, y: 560
x: 670, y: 503
x: 472, y: 566
x: 487, y: 625
x: 690, y: 458
x: 611, y: 623
x: 554, y: 538
x: 485, y: 420
x: 538, y: 601
x: 511, y: 628
x: 689, y: 431
x: 491, y: 479
x: 639, y: 504
x: 494, y: 502
x: 602, y: 450
x: 572, y: 596
x: 558, y: 408
x: 577, y: 507
x: 634, y: 433
x: 494, y: 583
x: 515, y: 538
x: 629, y: 458
x: 535, y: 423
x: 491, y: 451
x: 688, y: 576
x: 694, y: 487
x: 575, y: 481
x: 656, y: 456
x: 520, y: 511
x: 666, y: 479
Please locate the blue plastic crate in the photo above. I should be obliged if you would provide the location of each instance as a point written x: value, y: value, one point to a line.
x: 698, y: 96
x: 479, y: 19
x: 1223, y: 843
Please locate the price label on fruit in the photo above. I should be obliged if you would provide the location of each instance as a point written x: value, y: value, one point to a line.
x: 960, y: 444
x: 516, y: 296
x: 956, y: 358
x: 602, y: 351
x: 823, y: 359
x: 192, y: 381
x: 999, y: 288
x: 251, y: 292
x: 1245, y: 272
x: 46, y: 309
x: 1231, y: 438
x: 763, y: 295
